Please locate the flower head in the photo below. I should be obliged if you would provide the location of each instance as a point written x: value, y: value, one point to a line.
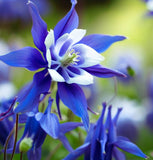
x: 102, y: 142
x: 67, y: 57
x: 36, y: 129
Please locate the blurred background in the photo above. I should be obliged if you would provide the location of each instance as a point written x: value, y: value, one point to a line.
x: 132, y: 56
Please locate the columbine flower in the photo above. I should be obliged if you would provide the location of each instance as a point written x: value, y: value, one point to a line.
x: 102, y: 142
x: 67, y: 57
x: 35, y: 132
x: 36, y: 129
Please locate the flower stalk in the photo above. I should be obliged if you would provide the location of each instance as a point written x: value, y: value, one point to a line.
x: 16, y: 135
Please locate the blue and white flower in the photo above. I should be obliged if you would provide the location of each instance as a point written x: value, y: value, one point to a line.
x: 67, y: 57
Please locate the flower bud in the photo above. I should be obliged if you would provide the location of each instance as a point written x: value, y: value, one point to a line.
x: 25, y: 144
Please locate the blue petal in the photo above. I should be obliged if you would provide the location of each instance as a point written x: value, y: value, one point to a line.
x: 101, y: 42
x: 73, y: 97
x: 65, y: 142
x: 87, y: 154
x: 10, y: 150
x: 129, y: 147
x: 103, y: 72
x: 118, y: 154
x: 67, y: 127
x: 96, y: 153
x: 29, y: 99
x: 6, y: 126
x: 99, y: 137
x: 34, y: 131
x: 49, y: 121
x: 111, y: 127
x: 39, y: 28
x: 78, y: 152
x: 115, y: 119
x: 31, y: 127
x: 90, y: 133
x: 34, y: 154
x: 109, y: 149
x: 27, y: 57
x: 23, y: 118
x: 68, y: 23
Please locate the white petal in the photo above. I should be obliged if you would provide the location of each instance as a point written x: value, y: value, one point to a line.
x: 84, y: 79
x: 89, y: 55
x: 48, y: 57
x: 60, y: 42
x: 77, y: 34
x: 55, y: 75
x: 50, y: 40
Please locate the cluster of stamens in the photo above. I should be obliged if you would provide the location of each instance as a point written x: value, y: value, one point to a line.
x: 71, y: 57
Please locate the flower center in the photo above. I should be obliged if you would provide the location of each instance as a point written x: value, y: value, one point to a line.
x: 71, y: 57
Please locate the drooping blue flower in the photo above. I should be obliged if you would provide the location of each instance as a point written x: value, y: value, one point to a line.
x: 67, y: 57
x: 102, y: 142
x: 36, y: 129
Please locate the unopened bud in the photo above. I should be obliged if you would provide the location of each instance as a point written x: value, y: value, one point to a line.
x: 25, y: 144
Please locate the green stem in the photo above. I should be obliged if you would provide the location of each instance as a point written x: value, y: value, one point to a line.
x: 6, y: 144
x: 16, y: 134
x: 21, y: 155
x: 52, y: 86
